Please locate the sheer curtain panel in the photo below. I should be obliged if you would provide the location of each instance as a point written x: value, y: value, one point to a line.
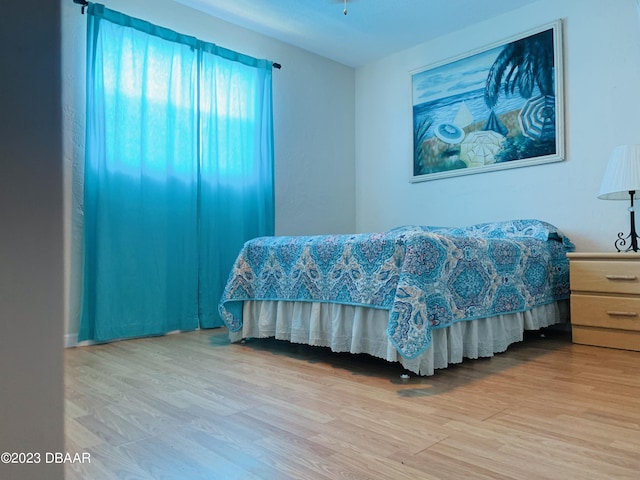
x: 236, y: 172
x: 178, y: 175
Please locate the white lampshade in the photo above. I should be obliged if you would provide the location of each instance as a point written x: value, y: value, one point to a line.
x: 622, y: 174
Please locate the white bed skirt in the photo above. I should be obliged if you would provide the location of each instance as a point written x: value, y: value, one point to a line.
x: 346, y: 328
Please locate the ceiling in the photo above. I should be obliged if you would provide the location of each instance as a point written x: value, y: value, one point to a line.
x: 372, y: 29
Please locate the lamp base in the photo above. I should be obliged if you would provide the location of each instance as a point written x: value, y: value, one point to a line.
x: 633, y: 236
x: 622, y: 241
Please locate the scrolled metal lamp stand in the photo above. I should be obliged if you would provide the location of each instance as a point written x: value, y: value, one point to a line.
x: 633, y: 236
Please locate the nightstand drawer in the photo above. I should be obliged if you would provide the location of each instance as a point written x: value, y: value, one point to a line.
x: 605, y: 276
x: 603, y: 337
x: 620, y: 313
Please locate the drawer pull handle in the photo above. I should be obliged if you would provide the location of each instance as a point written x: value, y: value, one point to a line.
x: 622, y: 314
x: 621, y: 277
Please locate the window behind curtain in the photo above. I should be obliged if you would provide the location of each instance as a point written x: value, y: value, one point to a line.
x: 178, y: 175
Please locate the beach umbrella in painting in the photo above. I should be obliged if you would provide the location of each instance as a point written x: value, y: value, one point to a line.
x: 538, y: 117
x: 449, y: 133
x: 494, y: 123
x: 452, y: 132
x: 464, y: 117
x: 479, y: 148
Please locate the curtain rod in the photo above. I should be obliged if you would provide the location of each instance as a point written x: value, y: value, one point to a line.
x: 85, y: 4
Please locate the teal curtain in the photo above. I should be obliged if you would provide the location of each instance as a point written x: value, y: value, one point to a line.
x: 236, y: 197
x: 178, y: 175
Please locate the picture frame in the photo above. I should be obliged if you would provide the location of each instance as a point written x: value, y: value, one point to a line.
x: 498, y: 107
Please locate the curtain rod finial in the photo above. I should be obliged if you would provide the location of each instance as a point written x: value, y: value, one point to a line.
x: 83, y: 3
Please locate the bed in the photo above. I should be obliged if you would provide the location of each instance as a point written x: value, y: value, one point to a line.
x: 424, y: 296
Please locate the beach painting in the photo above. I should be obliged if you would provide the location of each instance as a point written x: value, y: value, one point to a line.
x: 496, y: 108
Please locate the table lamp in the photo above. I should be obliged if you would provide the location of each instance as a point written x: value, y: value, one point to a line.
x: 621, y: 181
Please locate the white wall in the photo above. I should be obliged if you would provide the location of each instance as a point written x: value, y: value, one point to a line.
x: 602, y: 103
x: 314, y: 111
x: 31, y: 238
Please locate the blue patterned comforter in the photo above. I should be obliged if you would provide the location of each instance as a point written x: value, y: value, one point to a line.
x: 427, y: 277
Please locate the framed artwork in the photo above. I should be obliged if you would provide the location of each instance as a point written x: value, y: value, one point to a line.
x: 496, y: 108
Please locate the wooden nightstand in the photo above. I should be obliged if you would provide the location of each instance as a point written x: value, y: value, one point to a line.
x: 605, y: 299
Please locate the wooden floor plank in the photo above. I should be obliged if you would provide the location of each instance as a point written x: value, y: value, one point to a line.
x: 192, y: 405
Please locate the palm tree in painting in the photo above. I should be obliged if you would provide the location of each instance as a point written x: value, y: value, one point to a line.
x: 522, y: 65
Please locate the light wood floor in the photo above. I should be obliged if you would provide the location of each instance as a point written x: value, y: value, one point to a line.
x: 192, y: 406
